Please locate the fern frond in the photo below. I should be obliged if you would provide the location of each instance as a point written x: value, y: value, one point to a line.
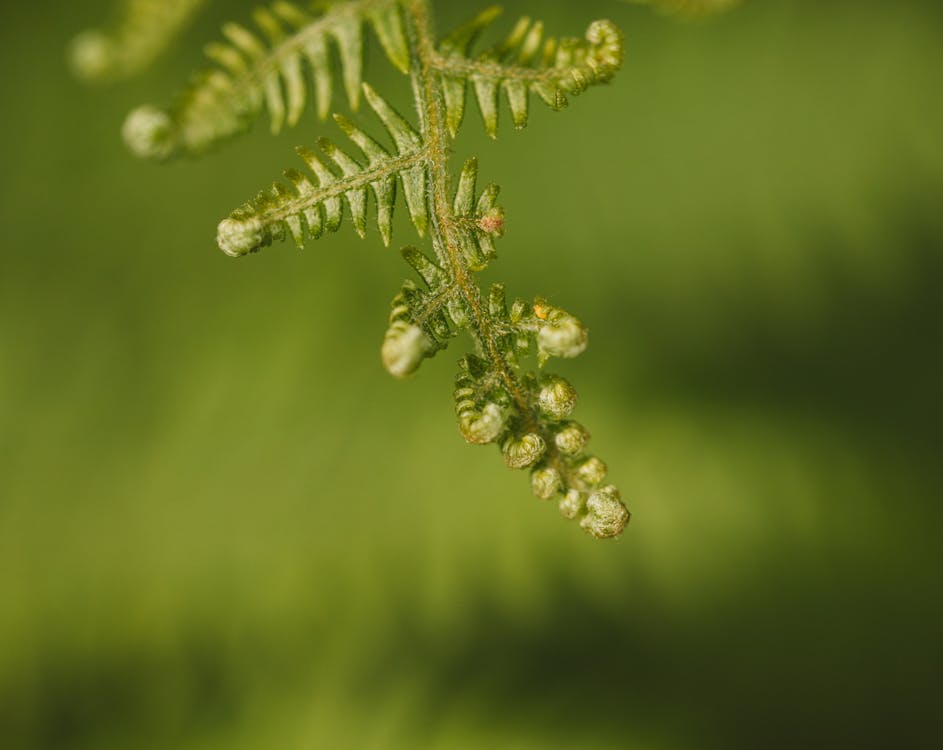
x: 256, y: 73
x: 143, y: 29
x: 307, y: 208
x: 523, y: 62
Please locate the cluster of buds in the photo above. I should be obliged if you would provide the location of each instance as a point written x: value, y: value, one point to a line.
x: 541, y: 437
x: 527, y: 415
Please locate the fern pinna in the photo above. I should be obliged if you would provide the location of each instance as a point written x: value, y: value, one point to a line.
x: 496, y: 398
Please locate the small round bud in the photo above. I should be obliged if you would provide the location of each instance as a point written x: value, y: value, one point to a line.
x: 92, y: 55
x: 492, y: 221
x: 150, y: 133
x: 546, y: 482
x: 562, y: 336
x: 571, y: 439
x: 606, y: 516
x: 556, y: 399
x: 592, y: 471
x: 237, y: 237
x: 524, y: 452
x: 403, y: 349
x: 572, y: 503
x: 483, y: 427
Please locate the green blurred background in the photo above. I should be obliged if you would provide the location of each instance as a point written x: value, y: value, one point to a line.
x: 222, y: 525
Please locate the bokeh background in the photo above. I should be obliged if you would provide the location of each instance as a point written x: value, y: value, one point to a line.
x: 222, y: 525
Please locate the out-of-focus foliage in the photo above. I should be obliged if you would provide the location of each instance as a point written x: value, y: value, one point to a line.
x: 209, y: 538
x: 142, y: 30
x: 689, y: 8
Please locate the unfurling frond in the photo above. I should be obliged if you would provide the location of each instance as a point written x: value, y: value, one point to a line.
x: 306, y: 208
x: 268, y: 73
x: 143, y: 29
x: 523, y: 62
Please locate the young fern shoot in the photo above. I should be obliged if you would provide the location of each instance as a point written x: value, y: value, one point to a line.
x: 497, y: 400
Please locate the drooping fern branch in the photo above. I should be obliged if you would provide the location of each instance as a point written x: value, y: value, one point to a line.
x: 497, y: 398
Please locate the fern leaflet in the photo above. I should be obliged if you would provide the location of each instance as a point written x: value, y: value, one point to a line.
x: 523, y: 62
x: 306, y: 209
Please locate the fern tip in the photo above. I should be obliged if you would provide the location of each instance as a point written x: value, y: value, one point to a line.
x: 150, y: 133
x: 237, y: 238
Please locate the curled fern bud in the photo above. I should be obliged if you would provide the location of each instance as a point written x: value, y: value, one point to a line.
x: 606, y: 516
x: 484, y: 426
x: 608, y: 48
x: 546, y: 482
x: 571, y: 439
x: 572, y: 504
x: 237, y: 237
x: 592, y: 471
x: 557, y: 398
x: 150, y: 133
x: 522, y: 453
x: 560, y: 335
x: 404, y: 347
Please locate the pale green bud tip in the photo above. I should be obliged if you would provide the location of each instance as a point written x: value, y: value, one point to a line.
x: 592, y: 471
x: 606, y: 516
x: 403, y: 349
x: 149, y: 133
x: 571, y: 439
x: 484, y: 426
x: 610, y: 46
x: 236, y: 237
x: 557, y: 398
x: 524, y: 452
x: 572, y: 504
x: 91, y: 55
x: 564, y: 336
x: 546, y: 482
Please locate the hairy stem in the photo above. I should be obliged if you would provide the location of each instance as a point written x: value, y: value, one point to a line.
x: 444, y: 223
